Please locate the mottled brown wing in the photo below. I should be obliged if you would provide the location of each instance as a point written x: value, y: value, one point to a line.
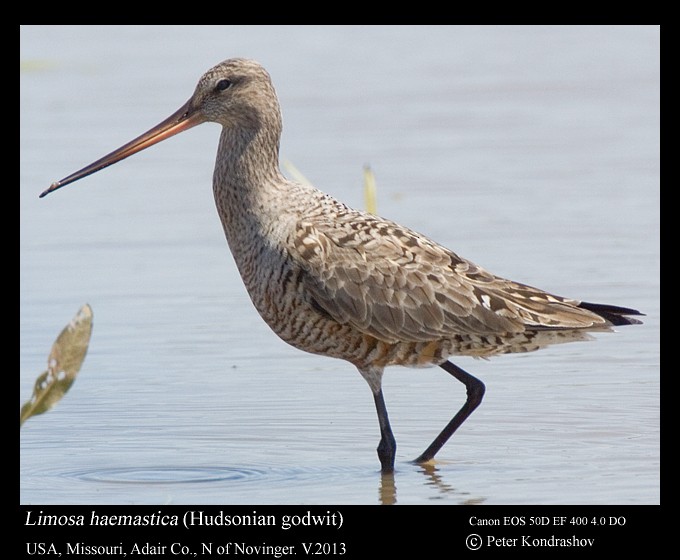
x: 395, y: 284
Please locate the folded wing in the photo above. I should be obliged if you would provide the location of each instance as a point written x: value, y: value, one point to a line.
x: 397, y: 285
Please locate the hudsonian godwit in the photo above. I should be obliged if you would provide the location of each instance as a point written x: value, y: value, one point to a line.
x: 347, y: 284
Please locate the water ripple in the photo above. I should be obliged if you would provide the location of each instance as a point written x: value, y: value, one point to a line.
x: 166, y: 475
x: 197, y: 475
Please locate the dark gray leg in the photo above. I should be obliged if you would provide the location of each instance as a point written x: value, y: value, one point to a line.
x: 387, y: 447
x: 475, y: 393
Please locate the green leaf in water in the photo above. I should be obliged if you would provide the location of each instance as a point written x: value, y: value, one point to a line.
x: 63, y: 365
x: 295, y: 173
x: 35, y: 65
x: 370, y: 190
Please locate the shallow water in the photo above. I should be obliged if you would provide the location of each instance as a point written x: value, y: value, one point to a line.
x: 531, y: 151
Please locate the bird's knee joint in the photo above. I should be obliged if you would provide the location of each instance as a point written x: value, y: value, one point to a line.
x: 476, y: 390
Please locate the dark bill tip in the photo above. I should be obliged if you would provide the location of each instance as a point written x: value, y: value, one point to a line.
x: 53, y: 187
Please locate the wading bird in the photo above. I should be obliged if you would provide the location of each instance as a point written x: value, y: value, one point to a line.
x: 347, y: 284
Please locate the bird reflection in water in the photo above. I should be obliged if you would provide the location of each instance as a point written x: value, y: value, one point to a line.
x: 434, y: 478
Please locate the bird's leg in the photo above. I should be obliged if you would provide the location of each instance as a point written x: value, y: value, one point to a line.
x: 387, y: 447
x: 475, y: 393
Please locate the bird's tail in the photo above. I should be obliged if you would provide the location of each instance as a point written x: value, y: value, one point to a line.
x: 617, y: 316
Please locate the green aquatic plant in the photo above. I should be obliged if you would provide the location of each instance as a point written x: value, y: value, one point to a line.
x: 63, y: 364
x: 370, y: 190
x: 295, y: 173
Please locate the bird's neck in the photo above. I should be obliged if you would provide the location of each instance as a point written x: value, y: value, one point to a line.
x: 248, y: 185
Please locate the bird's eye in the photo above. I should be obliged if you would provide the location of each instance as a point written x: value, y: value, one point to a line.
x: 223, y: 84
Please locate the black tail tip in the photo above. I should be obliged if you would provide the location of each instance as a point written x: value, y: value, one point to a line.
x: 617, y: 316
